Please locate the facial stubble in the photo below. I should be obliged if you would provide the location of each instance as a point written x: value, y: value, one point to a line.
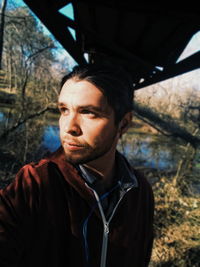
x: 90, y: 153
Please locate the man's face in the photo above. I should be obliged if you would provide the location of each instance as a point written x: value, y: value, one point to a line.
x: 87, y: 125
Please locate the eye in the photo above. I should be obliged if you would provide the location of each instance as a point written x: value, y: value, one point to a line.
x: 85, y: 111
x: 89, y: 112
x: 63, y: 110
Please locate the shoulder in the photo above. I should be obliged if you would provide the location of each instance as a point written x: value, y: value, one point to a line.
x: 27, y: 180
x: 126, y: 169
x: 34, y: 169
x: 142, y: 180
x: 144, y: 187
x: 44, y: 168
x: 33, y: 175
x: 49, y: 170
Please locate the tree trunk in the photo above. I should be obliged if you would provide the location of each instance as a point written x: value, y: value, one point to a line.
x: 10, y: 71
x: 166, y: 127
x: 2, y: 22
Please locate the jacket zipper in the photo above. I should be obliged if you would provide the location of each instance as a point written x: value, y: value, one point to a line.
x: 106, y: 223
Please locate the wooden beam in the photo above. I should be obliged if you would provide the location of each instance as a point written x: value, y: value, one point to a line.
x: 190, y: 63
x: 58, y: 25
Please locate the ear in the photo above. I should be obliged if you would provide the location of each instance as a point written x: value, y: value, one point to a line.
x: 125, y: 123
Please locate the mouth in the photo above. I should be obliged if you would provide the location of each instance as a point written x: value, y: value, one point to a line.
x: 72, y: 146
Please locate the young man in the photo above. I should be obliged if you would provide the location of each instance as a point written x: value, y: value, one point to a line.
x: 83, y: 205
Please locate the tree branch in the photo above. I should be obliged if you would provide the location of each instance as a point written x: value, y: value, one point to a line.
x: 39, y: 51
x: 21, y: 121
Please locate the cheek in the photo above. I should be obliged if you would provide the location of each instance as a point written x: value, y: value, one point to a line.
x: 61, y: 126
x: 98, y: 132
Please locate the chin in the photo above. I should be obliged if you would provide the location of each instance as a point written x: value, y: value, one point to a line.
x: 76, y: 158
x: 75, y: 161
x: 83, y: 159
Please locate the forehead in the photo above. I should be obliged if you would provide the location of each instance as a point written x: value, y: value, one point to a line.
x: 82, y: 93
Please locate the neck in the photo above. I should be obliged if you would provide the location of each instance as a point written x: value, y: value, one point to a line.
x: 102, y: 170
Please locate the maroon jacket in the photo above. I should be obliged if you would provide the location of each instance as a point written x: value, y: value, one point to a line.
x: 43, y: 210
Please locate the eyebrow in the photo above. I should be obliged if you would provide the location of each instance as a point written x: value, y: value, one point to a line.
x: 90, y: 107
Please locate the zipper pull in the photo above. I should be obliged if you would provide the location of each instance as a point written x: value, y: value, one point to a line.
x: 106, y: 228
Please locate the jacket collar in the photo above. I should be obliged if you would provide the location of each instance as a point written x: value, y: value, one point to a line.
x: 124, y: 172
x: 76, y: 179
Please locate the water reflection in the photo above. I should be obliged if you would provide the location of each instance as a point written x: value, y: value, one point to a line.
x: 51, y: 140
x: 151, y: 151
x: 1, y: 116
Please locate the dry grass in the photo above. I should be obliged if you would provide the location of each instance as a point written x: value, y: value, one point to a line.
x: 177, y: 227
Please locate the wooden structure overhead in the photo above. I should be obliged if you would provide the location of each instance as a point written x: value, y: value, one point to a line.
x: 146, y: 38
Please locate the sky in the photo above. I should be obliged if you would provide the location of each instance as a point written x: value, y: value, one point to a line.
x: 192, y: 47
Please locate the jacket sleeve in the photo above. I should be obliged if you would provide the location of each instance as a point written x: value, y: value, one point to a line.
x: 17, y: 206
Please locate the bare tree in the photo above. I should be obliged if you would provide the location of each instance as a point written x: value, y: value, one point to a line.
x: 2, y: 23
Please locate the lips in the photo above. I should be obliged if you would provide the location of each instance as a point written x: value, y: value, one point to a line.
x: 72, y: 145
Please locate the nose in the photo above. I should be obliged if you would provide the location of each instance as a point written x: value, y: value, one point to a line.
x: 72, y: 126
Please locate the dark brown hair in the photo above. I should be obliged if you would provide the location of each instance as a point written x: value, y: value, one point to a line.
x: 114, y: 82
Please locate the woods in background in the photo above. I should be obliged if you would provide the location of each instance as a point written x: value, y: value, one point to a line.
x: 30, y: 73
